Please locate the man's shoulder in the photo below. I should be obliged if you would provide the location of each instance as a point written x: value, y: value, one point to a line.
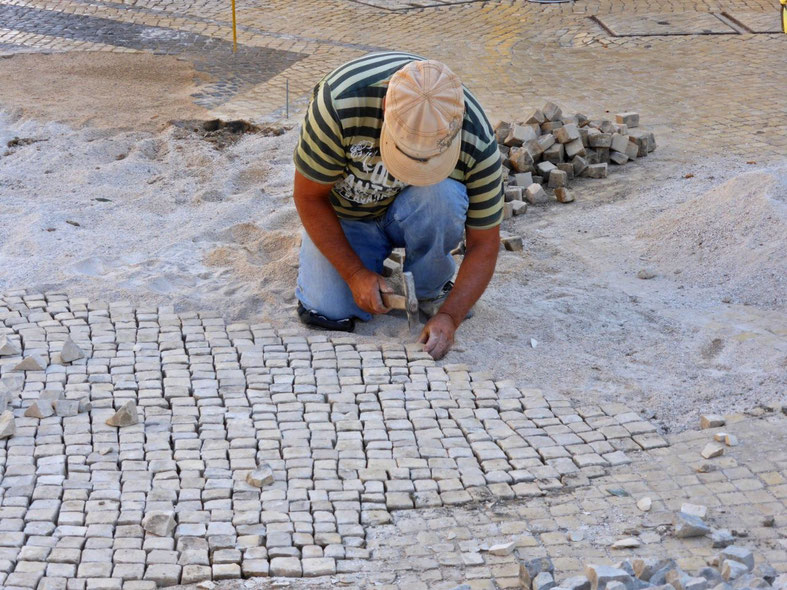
x: 476, y: 126
x: 367, y: 72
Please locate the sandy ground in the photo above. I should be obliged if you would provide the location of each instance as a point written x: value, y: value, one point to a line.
x: 134, y: 91
x: 158, y: 215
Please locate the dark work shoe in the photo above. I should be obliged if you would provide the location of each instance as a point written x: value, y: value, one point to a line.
x: 430, y: 307
x: 316, y: 320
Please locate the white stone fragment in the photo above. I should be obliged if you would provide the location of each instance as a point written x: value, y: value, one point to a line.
x: 711, y: 421
x: 697, y: 510
x: 502, y: 549
x: 40, y: 409
x: 7, y: 425
x: 71, y: 352
x: 31, y: 363
x: 125, y: 416
x: 260, y: 477
x: 161, y: 524
x: 732, y: 570
x: 645, y: 504
x: 8, y: 348
x: 627, y: 543
x: 712, y: 449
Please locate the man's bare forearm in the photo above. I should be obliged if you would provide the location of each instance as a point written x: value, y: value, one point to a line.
x: 321, y: 223
x: 474, y: 274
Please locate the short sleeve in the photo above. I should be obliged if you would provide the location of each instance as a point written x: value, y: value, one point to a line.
x: 320, y: 155
x: 484, y: 182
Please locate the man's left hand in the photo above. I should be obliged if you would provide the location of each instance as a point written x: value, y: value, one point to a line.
x: 438, y: 335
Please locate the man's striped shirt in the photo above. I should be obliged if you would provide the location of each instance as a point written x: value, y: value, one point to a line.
x: 340, y: 139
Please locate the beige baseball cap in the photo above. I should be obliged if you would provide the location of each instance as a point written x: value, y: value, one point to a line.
x: 421, y: 138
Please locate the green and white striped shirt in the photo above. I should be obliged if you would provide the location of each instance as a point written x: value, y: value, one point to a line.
x: 340, y: 139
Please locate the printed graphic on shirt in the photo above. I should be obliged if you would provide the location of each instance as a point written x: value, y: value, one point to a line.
x: 378, y: 185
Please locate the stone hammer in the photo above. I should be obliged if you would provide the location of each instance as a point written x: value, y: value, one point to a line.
x: 408, y: 302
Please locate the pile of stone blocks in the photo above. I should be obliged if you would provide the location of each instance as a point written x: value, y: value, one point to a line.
x: 549, y: 149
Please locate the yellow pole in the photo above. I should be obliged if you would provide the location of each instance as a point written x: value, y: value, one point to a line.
x: 234, y: 30
x: 784, y: 16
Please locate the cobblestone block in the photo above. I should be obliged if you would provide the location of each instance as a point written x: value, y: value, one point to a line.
x: 551, y: 111
x: 563, y: 195
x: 618, y: 158
x: 536, y: 195
x: 574, y: 148
x: 554, y: 153
x: 596, y: 171
x: 567, y: 134
x: 558, y: 178
x: 687, y: 525
x: 629, y: 119
x: 286, y: 566
x: 519, y: 135
x: 521, y: 159
x: 599, y: 139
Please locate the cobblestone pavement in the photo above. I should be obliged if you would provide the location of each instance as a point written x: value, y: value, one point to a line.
x: 352, y: 434
x: 745, y: 492
x: 706, y: 73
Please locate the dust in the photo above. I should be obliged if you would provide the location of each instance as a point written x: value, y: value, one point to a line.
x: 138, y: 91
x: 267, y: 259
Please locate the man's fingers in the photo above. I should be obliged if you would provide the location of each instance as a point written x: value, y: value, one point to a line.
x: 439, y: 352
x: 377, y: 302
x: 384, y: 286
x: 424, y: 336
x: 434, y: 340
x: 441, y: 347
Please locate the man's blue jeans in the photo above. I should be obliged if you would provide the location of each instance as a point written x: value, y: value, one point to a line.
x: 427, y: 221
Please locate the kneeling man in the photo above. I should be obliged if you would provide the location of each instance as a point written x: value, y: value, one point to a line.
x: 395, y: 153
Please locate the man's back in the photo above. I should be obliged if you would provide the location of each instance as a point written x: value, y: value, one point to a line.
x: 341, y: 135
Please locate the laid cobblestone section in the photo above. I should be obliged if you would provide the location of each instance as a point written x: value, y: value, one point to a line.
x: 402, y: 5
x: 233, y: 72
x: 348, y: 433
x: 589, y: 67
x: 669, y: 503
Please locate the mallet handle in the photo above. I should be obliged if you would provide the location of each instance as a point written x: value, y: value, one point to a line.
x: 393, y: 301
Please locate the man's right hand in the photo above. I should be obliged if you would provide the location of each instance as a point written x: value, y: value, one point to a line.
x: 366, y: 287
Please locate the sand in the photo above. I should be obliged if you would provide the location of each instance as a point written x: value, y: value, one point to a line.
x: 161, y: 216
x: 732, y: 237
x: 136, y: 91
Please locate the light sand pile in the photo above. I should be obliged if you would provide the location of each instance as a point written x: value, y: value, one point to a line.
x: 734, y: 236
x: 149, y: 217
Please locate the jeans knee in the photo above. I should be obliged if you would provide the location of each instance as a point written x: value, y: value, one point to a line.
x: 439, y: 210
x: 447, y: 199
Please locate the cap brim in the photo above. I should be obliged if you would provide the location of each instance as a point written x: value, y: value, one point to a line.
x: 434, y: 170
